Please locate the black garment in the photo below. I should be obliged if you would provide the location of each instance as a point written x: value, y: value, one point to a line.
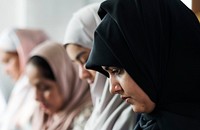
x: 158, y: 43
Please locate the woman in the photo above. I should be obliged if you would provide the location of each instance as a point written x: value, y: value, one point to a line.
x: 110, y: 112
x: 64, y: 99
x: 15, y: 45
x: 150, y: 51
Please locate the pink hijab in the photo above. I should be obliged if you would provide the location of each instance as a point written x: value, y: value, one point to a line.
x: 76, y: 92
x: 21, y: 41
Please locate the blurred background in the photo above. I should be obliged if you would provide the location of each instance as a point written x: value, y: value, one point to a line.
x: 50, y: 15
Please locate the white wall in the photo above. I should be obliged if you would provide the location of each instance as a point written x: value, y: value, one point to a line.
x: 10, y: 13
x: 188, y: 3
x: 50, y: 15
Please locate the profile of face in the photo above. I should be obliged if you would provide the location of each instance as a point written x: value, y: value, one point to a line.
x: 79, y: 55
x: 11, y: 65
x: 122, y: 83
x: 47, y: 92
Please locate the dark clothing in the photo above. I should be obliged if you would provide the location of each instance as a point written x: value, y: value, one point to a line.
x: 158, y: 43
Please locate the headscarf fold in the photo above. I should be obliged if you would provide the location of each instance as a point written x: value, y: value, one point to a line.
x: 110, y: 111
x: 21, y: 103
x: 21, y: 41
x: 81, y: 27
x: 76, y: 92
x: 158, y: 44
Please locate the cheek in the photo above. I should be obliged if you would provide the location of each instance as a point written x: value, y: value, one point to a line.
x: 14, y: 66
x: 12, y: 70
x: 47, y: 96
x: 54, y: 97
x: 93, y: 73
x: 127, y: 84
x: 58, y: 102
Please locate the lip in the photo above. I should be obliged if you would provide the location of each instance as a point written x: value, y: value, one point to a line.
x: 125, y: 98
x: 43, y: 106
x: 90, y: 81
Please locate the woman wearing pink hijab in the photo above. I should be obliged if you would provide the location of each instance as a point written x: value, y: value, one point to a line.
x: 15, y: 45
x: 64, y: 99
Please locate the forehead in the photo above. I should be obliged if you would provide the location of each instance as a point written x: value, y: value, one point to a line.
x: 73, y: 50
x: 5, y: 54
x: 32, y: 71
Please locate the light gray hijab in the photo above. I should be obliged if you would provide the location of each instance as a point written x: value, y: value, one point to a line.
x: 110, y: 111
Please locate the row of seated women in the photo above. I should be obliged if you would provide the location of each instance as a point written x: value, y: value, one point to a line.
x: 53, y: 90
x: 145, y: 53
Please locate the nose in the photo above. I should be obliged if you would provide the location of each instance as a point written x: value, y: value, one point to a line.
x: 7, y: 69
x: 83, y: 72
x: 38, y: 95
x: 115, y: 87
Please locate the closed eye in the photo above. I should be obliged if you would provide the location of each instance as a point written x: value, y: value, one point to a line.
x: 113, y: 70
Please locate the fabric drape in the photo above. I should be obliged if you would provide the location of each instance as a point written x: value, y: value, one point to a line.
x: 110, y: 111
x: 157, y: 43
x: 21, y: 103
x: 75, y: 91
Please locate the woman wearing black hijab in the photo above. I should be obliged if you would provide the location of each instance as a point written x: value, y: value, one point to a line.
x: 152, y: 49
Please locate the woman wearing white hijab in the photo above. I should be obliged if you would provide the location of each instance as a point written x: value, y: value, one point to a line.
x: 110, y: 111
x: 15, y: 45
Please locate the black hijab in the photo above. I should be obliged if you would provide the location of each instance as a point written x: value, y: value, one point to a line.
x: 158, y: 43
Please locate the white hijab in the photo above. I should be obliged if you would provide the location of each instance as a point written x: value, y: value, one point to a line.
x: 110, y: 111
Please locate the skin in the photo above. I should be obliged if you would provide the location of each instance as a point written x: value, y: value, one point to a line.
x: 122, y: 83
x: 10, y: 60
x: 47, y: 91
x: 195, y: 6
x: 79, y: 55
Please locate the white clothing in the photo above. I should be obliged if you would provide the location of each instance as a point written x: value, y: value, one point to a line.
x: 2, y: 103
x: 20, y: 107
x: 110, y: 111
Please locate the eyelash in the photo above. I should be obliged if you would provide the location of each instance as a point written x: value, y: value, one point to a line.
x: 82, y: 60
x: 116, y: 71
x: 44, y: 88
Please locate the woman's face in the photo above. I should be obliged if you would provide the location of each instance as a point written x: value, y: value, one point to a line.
x: 47, y: 91
x: 11, y: 64
x: 123, y: 84
x: 80, y: 55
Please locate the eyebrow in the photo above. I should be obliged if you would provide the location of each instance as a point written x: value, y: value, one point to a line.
x: 106, y: 67
x: 79, y: 55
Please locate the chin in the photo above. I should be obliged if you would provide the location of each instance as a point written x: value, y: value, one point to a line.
x: 137, y: 110
x: 15, y: 78
x: 49, y: 112
x: 90, y: 82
